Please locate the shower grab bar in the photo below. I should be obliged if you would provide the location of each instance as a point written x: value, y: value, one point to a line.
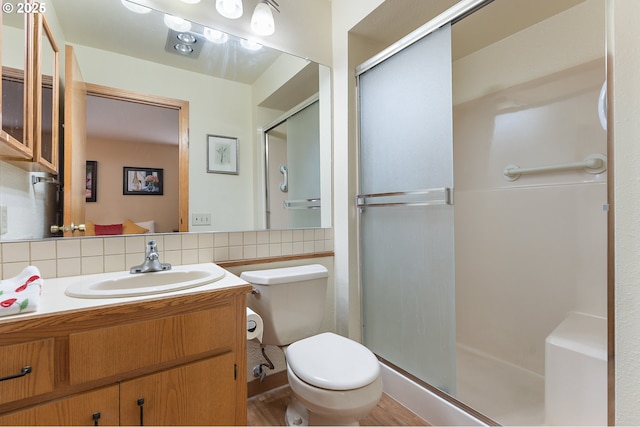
x: 446, y: 199
x: 284, y: 187
x: 593, y: 164
x: 302, y: 204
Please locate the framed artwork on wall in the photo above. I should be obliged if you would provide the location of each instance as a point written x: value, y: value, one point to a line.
x: 91, y: 181
x: 222, y: 154
x: 142, y: 181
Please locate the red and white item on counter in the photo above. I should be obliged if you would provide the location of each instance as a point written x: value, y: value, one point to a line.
x: 21, y: 294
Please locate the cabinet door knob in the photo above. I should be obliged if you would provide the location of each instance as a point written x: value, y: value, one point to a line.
x: 73, y: 228
x: 24, y: 371
x: 96, y: 417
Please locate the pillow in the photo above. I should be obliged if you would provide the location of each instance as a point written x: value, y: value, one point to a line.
x: 149, y: 225
x: 129, y: 227
x: 108, y: 230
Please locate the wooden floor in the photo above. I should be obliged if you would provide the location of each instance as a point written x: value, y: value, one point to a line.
x: 268, y: 410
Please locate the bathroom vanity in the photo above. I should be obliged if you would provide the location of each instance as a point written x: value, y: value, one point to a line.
x: 176, y: 358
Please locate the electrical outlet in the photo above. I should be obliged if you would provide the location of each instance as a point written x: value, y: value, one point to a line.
x: 201, y: 219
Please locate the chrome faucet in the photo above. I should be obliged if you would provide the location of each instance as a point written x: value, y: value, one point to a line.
x: 151, y: 261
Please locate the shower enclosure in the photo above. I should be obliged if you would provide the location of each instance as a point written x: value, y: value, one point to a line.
x: 471, y: 273
x: 292, y: 164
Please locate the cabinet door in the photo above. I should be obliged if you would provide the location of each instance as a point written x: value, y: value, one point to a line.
x: 98, y: 407
x: 45, y: 133
x: 200, y: 393
x: 16, y: 90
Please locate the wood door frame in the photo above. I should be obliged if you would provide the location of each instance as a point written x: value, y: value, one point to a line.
x: 183, y: 136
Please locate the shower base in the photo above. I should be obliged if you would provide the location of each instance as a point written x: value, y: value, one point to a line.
x: 506, y: 393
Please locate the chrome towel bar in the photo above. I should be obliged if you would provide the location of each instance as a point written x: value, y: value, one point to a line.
x: 593, y: 164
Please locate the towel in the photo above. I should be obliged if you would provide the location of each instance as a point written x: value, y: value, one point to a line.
x: 21, y: 294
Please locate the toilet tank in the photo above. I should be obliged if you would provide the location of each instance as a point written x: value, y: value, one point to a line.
x: 290, y: 301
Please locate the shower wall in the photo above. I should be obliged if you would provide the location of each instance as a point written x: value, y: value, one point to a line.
x: 532, y: 250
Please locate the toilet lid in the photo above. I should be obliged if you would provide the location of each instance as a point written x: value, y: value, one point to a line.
x: 332, y: 362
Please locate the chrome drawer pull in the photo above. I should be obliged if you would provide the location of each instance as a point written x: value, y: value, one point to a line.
x: 24, y: 371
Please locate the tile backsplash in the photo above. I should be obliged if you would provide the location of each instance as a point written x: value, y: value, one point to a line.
x: 90, y: 255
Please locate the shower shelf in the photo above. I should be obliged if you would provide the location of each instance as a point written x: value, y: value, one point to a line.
x: 593, y: 164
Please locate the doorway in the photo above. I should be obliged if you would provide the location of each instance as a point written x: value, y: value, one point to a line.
x: 127, y: 129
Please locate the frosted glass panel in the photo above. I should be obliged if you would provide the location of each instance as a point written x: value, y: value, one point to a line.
x: 406, y: 252
x: 405, y: 121
x: 303, y: 152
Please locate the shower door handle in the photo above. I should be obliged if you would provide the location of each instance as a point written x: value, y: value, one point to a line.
x: 407, y: 198
x: 284, y: 187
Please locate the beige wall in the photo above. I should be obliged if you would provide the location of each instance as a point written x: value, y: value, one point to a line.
x: 112, y: 207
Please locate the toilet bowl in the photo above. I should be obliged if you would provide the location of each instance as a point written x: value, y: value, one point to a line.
x: 334, y: 380
x: 337, y: 381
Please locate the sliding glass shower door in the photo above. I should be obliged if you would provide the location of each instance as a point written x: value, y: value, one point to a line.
x: 406, y: 209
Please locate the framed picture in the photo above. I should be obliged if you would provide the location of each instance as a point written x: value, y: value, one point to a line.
x: 222, y: 154
x: 142, y: 181
x: 91, y: 181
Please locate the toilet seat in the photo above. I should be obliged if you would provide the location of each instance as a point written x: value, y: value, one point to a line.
x: 332, y: 362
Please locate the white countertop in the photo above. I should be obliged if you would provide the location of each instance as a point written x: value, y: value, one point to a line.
x: 54, y: 299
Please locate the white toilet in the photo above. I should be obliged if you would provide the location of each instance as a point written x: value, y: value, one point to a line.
x: 334, y: 380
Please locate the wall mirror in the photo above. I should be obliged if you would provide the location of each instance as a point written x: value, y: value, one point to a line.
x: 230, y: 90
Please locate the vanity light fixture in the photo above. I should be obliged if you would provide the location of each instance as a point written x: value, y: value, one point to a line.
x: 262, y: 18
x: 215, y: 36
x: 177, y: 24
x: 135, y: 7
x: 231, y: 9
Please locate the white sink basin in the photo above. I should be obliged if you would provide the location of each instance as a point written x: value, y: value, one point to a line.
x: 131, y: 285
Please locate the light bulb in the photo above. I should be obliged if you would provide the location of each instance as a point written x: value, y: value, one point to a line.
x: 231, y: 9
x: 135, y: 7
x: 215, y: 36
x: 183, y: 48
x: 262, y: 20
x: 177, y: 24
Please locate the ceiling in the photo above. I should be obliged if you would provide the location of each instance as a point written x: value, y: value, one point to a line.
x: 109, y: 26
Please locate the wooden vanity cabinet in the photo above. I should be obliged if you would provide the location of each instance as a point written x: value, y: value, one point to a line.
x: 169, y: 361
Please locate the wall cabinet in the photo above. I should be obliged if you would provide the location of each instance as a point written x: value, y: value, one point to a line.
x: 170, y: 361
x: 30, y: 91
